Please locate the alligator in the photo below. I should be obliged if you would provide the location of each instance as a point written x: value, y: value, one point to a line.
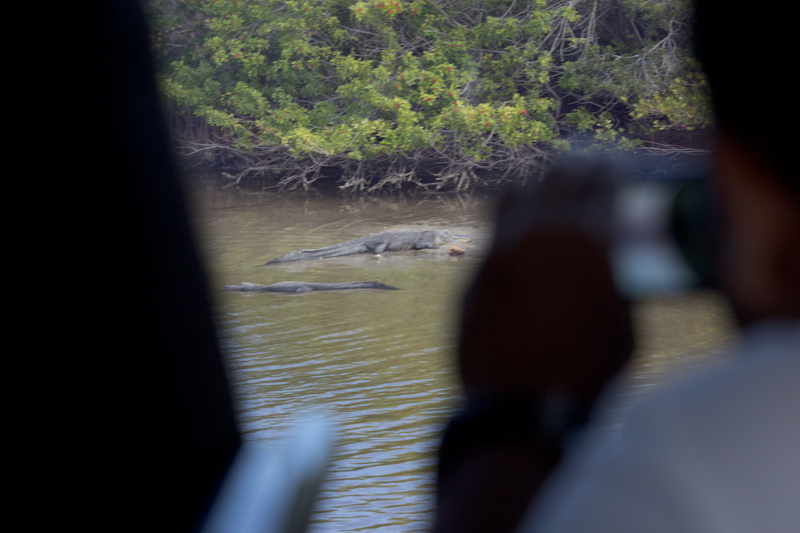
x: 304, y: 286
x: 376, y: 243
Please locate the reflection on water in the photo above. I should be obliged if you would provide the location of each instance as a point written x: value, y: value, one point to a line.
x: 379, y: 362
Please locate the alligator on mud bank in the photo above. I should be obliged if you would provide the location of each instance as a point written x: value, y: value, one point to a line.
x: 376, y: 243
x: 304, y: 286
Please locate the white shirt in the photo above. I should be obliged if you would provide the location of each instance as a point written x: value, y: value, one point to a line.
x: 719, y: 452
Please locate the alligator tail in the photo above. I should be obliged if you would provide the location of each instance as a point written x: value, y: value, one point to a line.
x: 318, y: 253
x: 297, y: 255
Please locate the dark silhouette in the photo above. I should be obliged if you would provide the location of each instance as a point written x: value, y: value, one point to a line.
x: 121, y: 415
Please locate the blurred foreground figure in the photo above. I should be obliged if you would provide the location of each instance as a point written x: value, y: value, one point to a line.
x: 121, y: 415
x: 543, y: 333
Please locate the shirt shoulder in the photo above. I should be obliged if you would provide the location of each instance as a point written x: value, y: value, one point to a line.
x: 716, y: 452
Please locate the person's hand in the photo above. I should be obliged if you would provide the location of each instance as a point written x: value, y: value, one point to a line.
x: 542, y: 315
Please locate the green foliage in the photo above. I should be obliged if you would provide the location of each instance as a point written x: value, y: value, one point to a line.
x: 374, y: 78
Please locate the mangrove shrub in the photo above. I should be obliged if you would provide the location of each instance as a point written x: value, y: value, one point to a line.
x: 372, y: 94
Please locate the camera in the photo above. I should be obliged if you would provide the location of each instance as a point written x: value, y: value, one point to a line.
x: 666, y: 238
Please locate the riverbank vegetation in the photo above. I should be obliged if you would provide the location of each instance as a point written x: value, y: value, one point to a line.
x: 368, y: 95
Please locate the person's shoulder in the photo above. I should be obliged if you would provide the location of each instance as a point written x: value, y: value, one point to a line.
x: 716, y: 447
x: 756, y: 383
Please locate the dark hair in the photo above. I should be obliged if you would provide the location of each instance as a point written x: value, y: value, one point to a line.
x: 749, y: 52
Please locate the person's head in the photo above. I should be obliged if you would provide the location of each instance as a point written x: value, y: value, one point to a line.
x: 748, y: 55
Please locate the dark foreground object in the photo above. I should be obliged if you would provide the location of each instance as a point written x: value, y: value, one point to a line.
x: 136, y: 429
x: 376, y: 243
x: 305, y: 286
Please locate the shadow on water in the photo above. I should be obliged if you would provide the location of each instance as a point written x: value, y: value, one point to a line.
x: 379, y: 362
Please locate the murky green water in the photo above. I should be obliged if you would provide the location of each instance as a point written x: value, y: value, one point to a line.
x: 379, y: 362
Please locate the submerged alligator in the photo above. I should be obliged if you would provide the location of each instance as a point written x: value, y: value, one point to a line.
x: 376, y: 243
x: 304, y: 286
